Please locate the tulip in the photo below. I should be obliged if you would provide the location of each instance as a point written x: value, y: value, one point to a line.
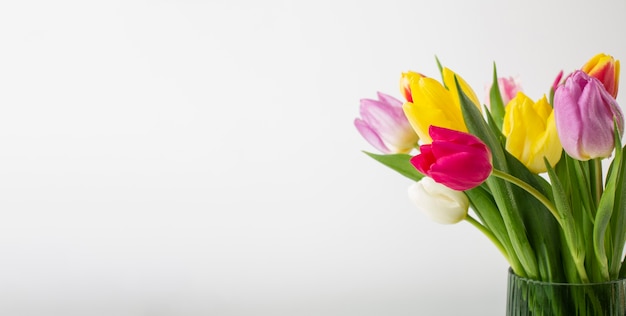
x: 440, y: 203
x: 606, y: 69
x: 585, y: 114
x: 509, y: 87
x: 384, y: 125
x: 405, y: 83
x: 434, y: 104
x: 530, y: 131
x: 455, y: 159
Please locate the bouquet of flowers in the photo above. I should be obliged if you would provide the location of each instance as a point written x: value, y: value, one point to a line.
x: 543, y: 180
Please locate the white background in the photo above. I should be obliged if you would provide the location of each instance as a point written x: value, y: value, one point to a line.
x: 199, y: 157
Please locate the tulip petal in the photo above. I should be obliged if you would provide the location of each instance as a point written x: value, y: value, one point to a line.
x: 458, y: 160
x: 461, y: 171
x: 437, y: 202
x: 600, y: 143
x: 384, y: 125
x: 432, y: 105
x: 585, y: 114
x: 371, y: 136
x: 448, y: 79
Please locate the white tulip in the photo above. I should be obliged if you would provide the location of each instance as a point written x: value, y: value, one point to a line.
x: 440, y: 203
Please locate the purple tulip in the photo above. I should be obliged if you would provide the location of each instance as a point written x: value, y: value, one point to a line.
x: 384, y: 125
x: 585, y: 113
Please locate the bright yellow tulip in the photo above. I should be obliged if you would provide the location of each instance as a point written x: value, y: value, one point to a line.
x: 434, y: 104
x: 531, y: 134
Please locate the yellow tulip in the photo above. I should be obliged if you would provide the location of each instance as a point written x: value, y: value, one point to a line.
x: 434, y: 104
x: 531, y: 134
x: 606, y: 69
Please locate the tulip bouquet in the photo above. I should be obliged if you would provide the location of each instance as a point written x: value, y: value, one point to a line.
x: 543, y: 180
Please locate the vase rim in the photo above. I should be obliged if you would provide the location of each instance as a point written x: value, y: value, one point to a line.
x: 512, y: 273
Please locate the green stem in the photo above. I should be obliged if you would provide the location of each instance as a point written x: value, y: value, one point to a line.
x: 578, y: 260
x: 528, y: 188
x: 489, y: 235
x: 598, y: 182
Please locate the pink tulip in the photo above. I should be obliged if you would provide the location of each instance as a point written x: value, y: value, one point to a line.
x: 384, y: 125
x: 584, y: 113
x: 509, y: 87
x: 455, y: 159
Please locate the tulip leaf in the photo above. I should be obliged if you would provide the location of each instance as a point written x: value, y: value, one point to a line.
x: 495, y: 129
x: 485, y: 208
x: 495, y: 100
x: 440, y: 70
x: 602, y: 219
x: 573, y: 237
x: 401, y: 163
x: 617, y: 222
x: 542, y: 228
x: 505, y: 196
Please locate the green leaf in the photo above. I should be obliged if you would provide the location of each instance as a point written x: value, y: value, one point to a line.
x: 602, y: 219
x: 440, y: 70
x: 618, y: 221
x: 487, y: 211
x: 502, y: 191
x: 495, y: 100
x: 400, y: 163
x: 574, y: 240
x: 542, y: 228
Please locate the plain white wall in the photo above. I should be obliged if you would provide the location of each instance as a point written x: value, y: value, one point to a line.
x: 199, y: 158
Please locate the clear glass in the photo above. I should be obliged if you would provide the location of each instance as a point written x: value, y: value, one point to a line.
x: 530, y: 297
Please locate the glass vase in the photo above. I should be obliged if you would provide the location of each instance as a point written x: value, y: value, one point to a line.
x: 530, y: 297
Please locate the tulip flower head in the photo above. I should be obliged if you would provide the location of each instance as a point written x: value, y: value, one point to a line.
x: 440, y: 203
x: 384, y: 125
x: 509, y: 87
x: 436, y: 104
x: 458, y: 160
x: 585, y: 114
x: 606, y: 69
x: 531, y: 134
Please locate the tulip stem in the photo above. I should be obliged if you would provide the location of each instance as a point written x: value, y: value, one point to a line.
x: 489, y: 235
x: 598, y: 184
x: 528, y: 188
x: 577, y: 254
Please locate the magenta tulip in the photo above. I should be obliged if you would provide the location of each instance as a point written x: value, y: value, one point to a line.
x: 384, y: 125
x: 455, y: 159
x: 585, y: 113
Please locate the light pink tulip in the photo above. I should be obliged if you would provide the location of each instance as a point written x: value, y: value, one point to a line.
x: 384, y: 125
x: 509, y: 87
x: 585, y: 114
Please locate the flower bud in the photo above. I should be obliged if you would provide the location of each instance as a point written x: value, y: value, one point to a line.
x: 384, y: 125
x: 585, y: 114
x: 606, y: 69
x: 455, y: 159
x: 509, y: 87
x: 437, y: 104
x: 440, y: 203
x: 530, y: 132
